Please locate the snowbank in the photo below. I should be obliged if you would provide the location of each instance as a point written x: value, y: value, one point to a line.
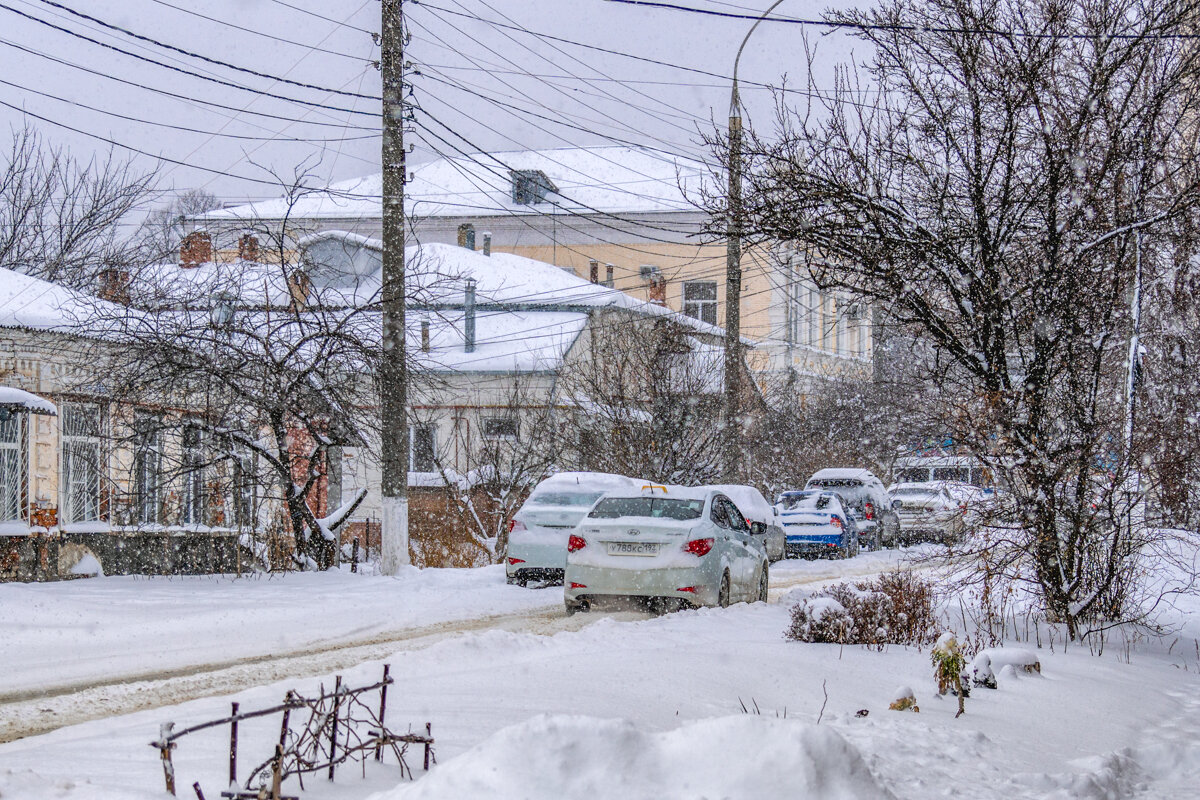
x: 576, y: 756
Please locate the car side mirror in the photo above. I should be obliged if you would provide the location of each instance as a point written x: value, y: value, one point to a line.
x: 758, y: 528
x: 896, y: 504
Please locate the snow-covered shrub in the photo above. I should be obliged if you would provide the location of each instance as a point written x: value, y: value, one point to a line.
x: 948, y: 665
x: 820, y: 619
x: 894, y: 609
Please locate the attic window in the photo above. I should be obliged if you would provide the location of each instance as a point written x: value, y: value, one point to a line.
x: 530, y: 186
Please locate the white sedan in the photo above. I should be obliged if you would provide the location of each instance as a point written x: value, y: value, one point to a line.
x: 670, y: 545
x: 537, y: 535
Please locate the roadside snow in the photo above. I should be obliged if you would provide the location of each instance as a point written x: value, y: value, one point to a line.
x: 606, y: 759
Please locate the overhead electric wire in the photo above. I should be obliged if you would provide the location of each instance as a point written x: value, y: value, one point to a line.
x: 182, y: 127
x: 262, y: 34
x: 897, y: 27
x: 190, y: 54
x: 339, y: 23
x: 174, y: 95
x: 173, y: 68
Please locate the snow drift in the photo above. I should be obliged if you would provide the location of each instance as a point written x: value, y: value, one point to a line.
x: 576, y: 756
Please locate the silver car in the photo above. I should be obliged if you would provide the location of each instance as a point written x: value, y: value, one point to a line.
x: 670, y: 545
x: 537, y: 535
x: 755, y: 508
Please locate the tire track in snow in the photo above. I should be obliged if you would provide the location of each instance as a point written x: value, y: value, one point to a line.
x: 30, y: 713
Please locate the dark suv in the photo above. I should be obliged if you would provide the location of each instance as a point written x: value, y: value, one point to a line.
x: 865, y: 496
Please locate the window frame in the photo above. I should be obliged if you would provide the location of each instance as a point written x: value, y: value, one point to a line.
x: 431, y: 428
x: 702, y: 304
x: 148, y: 498
x: 501, y: 437
x: 71, y: 457
x: 14, y: 486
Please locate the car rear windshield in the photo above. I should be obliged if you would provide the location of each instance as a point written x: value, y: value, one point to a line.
x: 815, y: 500
x: 662, y: 507
x: 564, y: 498
x: 915, y: 490
x: 835, y: 482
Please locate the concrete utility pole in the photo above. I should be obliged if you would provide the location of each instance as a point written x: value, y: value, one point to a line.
x: 393, y: 371
x: 733, y: 277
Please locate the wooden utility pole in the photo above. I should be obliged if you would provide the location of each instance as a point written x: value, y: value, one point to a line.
x: 393, y: 371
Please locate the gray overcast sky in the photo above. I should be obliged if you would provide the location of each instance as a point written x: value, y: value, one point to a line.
x: 330, y: 46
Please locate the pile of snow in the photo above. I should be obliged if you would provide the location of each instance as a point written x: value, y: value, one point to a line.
x: 12, y: 396
x: 88, y: 565
x: 576, y: 756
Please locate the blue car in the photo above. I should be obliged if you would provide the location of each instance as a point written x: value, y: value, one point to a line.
x: 817, y: 525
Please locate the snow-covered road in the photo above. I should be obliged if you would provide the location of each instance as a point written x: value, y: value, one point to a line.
x: 86, y: 650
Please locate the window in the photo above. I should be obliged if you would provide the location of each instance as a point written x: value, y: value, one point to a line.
x: 500, y: 428
x: 12, y: 465
x: 530, y: 186
x: 191, y: 499
x: 655, y: 507
x: 81, y: 462
x: 422, y: 453
x: 700, y: 301
x: 147, y: 469
x: 244, y: 485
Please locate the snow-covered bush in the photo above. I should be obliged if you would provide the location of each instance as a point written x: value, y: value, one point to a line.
x: 894, y: 609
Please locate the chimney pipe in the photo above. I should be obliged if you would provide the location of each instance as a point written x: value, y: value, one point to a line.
x: 469, y: 317
x: 466, y: 236
x: 114, y: 285
x: 195, y: 249
x: 594, y: 271
x: 608, y: 275
x: 424, y: 336
x: 248, y: 247
x: 487, y: 243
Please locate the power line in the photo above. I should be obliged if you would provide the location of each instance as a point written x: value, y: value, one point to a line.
x: 199, y: 56
x: 263, y: 34
x: 181, y: 70
x: 181, y: 127
x: 327, y: 19
x: 895, y: 27
x: 167, y: 93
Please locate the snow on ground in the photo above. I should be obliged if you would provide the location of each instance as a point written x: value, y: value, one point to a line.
x: 62, y: 635
x: 636, y: 707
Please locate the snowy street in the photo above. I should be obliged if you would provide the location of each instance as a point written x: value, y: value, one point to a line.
x: 523, y: 697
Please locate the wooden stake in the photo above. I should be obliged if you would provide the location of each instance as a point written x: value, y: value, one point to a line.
x: 277, y: 770
x: 382, y: 711
x: 164, y: 752
x: 337, y: 697
x: 196, y: 787
x: 428, y: 735
x: 233, y: 731
x: 354, y: 556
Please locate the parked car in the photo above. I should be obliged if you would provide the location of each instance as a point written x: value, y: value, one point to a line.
x: 755, y: 508
x: 929, y: 512
x: 817, y: 525
x: 537, y: 535
x: 864, y: 496
x: 669, y: 545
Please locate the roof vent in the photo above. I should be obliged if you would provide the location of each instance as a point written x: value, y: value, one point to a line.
x: 530, y: 186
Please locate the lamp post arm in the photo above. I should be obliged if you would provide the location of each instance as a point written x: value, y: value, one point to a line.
x: 734, y: 100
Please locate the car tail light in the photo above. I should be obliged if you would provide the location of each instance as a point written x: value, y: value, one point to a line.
x: 698, y: 547
x: 575, y: 585
x: 691, y: 589
x: 516, y: 525
x: 576, y: 543
x: 837, y: 521
x: 869, y: 510
x: 516, y: 560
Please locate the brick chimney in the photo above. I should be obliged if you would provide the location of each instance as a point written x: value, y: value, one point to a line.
x: 195, y: 249
x: 594, y: 271
x: 466, y: 236
x: 114, y: 285
x: 248, y: 247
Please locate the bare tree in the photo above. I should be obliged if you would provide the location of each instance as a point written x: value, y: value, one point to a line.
x: 60, y: 218
x: 648, y: 403
x: 163, y: 229
x: 994, y: 197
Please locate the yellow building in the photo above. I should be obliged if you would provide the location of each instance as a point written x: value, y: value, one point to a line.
x: 627, y: 217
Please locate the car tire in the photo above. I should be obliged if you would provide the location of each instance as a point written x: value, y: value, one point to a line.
x: 764, y: 581
x: 723, y: 591
x: 515, y: 581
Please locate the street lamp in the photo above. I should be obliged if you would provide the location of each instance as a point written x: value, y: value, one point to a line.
x: 733, y: 273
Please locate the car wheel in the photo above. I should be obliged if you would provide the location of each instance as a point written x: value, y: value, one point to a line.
x: 763, y: 583
x: 723, y: 592
x: 513, y: 580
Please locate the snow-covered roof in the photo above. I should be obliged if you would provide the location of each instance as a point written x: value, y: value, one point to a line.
x: 28, y: 302
x: 610, y: 180
x: 505, y: 341
x: 12, y: 397
x: 842, y: 474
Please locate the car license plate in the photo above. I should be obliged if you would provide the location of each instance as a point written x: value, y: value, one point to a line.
x: 632, y: 548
